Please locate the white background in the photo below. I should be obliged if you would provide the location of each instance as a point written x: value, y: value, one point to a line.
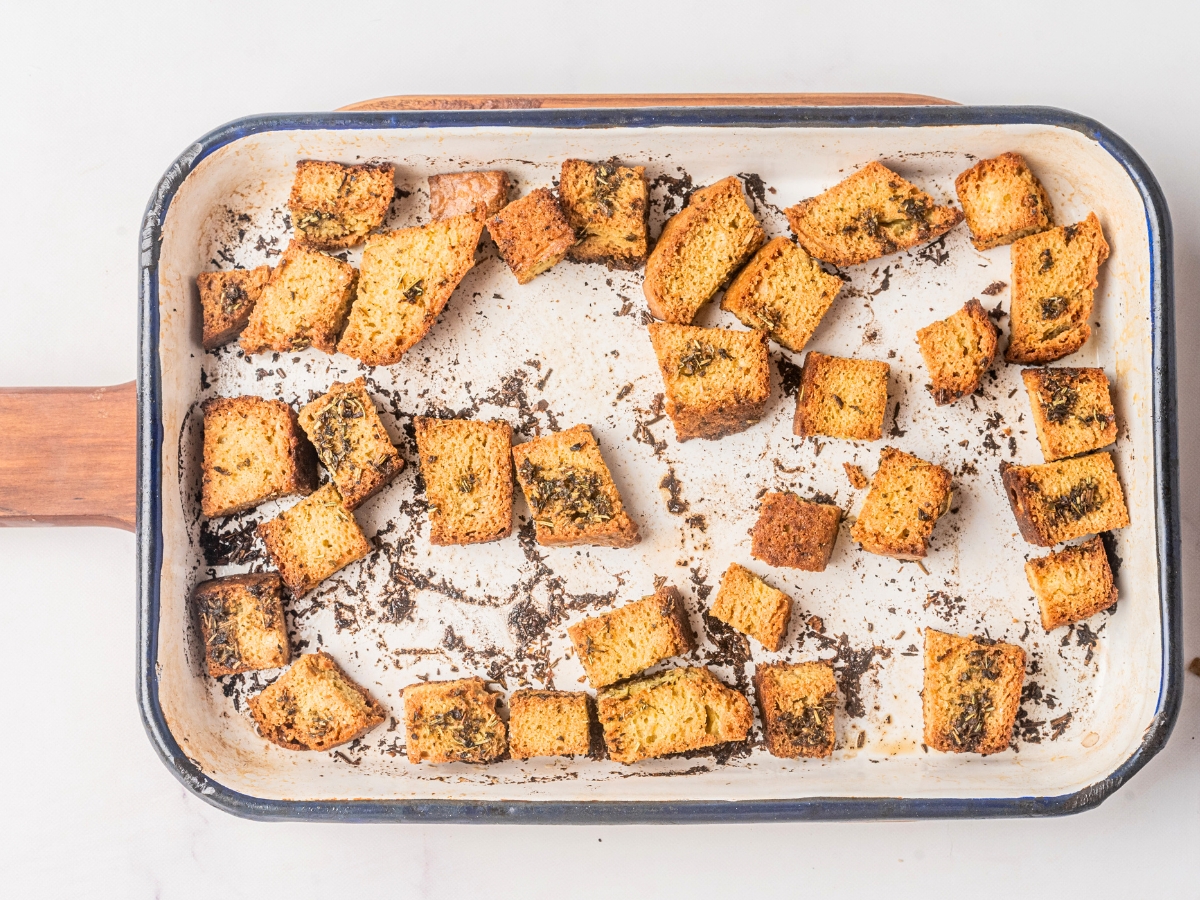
x: 96, y: 101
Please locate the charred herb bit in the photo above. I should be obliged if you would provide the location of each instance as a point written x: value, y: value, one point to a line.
x: 768, y: 317
x: 1082, y: 500
x: 969, y: 724
x: 220, y: 639
x: 1045, y: 261
x: 1053, y: 307
x: 466, y: 483
x: 232, y: 298
x: 808, y: 728
x: 699, y: 357
x: 465, y: 730
x: 1062, y: 398
x: 331, y: 435
x: 576, y: 495
x: 414, y: 291
x: 313, y: 219
x: 1069, y: 233
x: 607, y: 182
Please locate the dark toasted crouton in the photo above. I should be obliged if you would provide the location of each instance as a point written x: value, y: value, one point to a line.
x: 532, y: 234
x: 795, y: 533
x: 241, y: 621
x: 797, y: 704
x: 226, y: 301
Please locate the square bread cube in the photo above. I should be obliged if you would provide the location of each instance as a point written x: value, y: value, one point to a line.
x: 1072, y: 410
x: 314, y: 706
x: 351, y: 442
x: 407, y: 277
x: 1053, y: 277
x: 633, y: 637
x: 606, y: 203
x: 453, y: 721
x: 226, y: 301
x: 468, y: 479
x: 314, y: 539
x: 1002, y: 201
x: 1073, y: 584
x: 699, y: 248
x: 872, y: 213
x: 1060, y: 501
x: 797, y: 702
x: 671, y: 712
x: 478, y: 194
x: 907, y: 497
x: 717, y: 381
x: 782, y: 291
x: 571, y: 492
x: 972, y: 692
x: 795, y: 534
x: 334, y: 206
x: 548, y: 723
x: 254, y: 451
x: 304, y: 304
x: 241, y: 621
x: 841, y: 398
x: 532, y: 234
x: 753, y: 607
x: 958, y: 351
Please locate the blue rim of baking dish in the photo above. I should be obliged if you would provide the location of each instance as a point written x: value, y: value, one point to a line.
x: 150, y: 438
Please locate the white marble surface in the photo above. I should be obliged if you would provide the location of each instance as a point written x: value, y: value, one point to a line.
x: 96, y: 102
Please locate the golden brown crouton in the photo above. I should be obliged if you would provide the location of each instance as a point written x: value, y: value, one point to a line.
x: 606, y: 203
x: 972, y: 692
x: 304, y: 304
x: 747, y: 603
x: 241, y: 621
x: 571, y: 492
x: 453, y: 721
x: 907, y: 497
x: 841, y: 398
x: 532, y: 234
x: 872, y: 213
x: 468, y: 479
x: 958, y: 351
x: 858, y: 480
x: 548, y: 723
x: 797, y: 704
x: 699, y: 248
x: 795, y: 533
x: 1072, y: 410
x: 1002, y: 201
x: 632, y: 637
x: 717, y: 381
x: 1060, y: 501
x: 782, y: 291
x: 334, y: 206
x: 351, y: 441
x: 671, y: 712
x: 226, y: 301
x: 479, y: 194
x: 314, y: 706
x: 254, y: 451
x: 407, y: 277
x: 313, y: 539
x: 1073, y: 584
x: 1053, y: 277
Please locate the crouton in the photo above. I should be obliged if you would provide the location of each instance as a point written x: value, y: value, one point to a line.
x: 241, y: 622
x: 797, y: 703
x: 1060, y: 501
x: 479, y: 194
x: 468, y: 479
x: 532, y: 234
x: 872, y: 213
x: 747, y: 603
x: 453, y: 721
x: 972, y: 692
x: 1002, y: 201
x: 907, y: 497
x: 314, y: 706
x: 632, y: 637
x: 841, y: 398
x: 794, y: 533
x: 1073, y: 584
x: 571, y: 492
x: 699, y: 248
x: 254, y: 451
x: 304, y: 304
x: 1072, y: 410
x: 548, y: 723
x: 782, y: 291
x: 671, y: 712
x: 312, y: 540
x: 717, y: 381
x: 226, y: 301
x: 334, y: 206
x: 606, y: 203
x: 351, y: 441
x: 854, y: 473
x: 407, y: 277
x: 1053, y: 277
x: 958, y: 351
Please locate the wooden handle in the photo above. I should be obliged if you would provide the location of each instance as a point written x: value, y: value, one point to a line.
x: 68, y: 456
x: 625, y: 101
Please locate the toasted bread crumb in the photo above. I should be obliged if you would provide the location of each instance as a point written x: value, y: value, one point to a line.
x: 334, y: 206
x: 606, y: 204
x: 313, y: 539
x: 1072, y: 410
x: 478, y: 194
x: 858, y: 480
x: 532, y: 234
x: 226, y: 301
x: 304, y: 304
x: 1073, y: 584
x: 841, y: 398
x: 1002, y: 201
x: 907, y: 497
x: 747, y: 603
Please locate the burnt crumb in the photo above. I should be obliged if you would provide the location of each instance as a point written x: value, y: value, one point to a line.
x: 223, y: 545
x: 1027, y: 729
x: 757, y: 191
x: 945, y: 606
x: 699, y: 578
x: 205, y: 384
x: 896, y: 431
x: 680, y: 189
x: 730, y: 648
x: 697, y: 521
x: 676, y: 505
x: 1110, y: 550
x: 789, y: 374
x: 850, y: 664
x: 934, y: 252
x: 1085, y: 637
x: 1059, y: 726
x: 526, y: 622
x: 1194, y: 666
x: 624, y: 391
x: 344, y: 618
x: 997, y: 313
x: 993, y: 289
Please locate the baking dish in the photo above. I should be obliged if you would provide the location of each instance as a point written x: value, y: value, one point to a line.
x: 1121, y: 713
